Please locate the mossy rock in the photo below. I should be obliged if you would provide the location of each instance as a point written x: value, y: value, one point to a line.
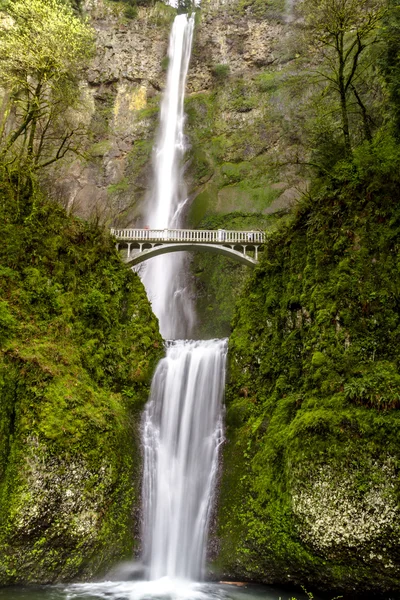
x: 78, y: 346
x: 310, y: 489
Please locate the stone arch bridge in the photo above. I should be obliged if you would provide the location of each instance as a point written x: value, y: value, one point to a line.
x: 138, y: 245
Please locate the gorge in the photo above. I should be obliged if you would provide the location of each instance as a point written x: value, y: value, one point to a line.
x: 308, y: 480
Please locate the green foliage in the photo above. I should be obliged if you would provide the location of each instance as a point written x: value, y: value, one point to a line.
x: 267, y: 82
x: 164, y: 63
x: 220, y: 72
x: 313, y: 394
x: 131, y: 6
x: 78, y: 346
x: 7, y: 322
x: 162, y: 15
x: 121, y: 186
x: 343, y: 33
x: 44, y: 49
x: 377, y: 385
x: 135, y: 3
x: 219, y: 280
x: 389, y: 59
x: 130, y: 12
x: 271, y: 9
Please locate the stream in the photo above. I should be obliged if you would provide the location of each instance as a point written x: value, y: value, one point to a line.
x: 164, y: 589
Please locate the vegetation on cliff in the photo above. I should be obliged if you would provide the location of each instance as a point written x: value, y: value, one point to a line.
x: 311, y: 488
x: 310, y: 492
x: 78, y: 346
x: 44, y: 49
x: 78, y: 340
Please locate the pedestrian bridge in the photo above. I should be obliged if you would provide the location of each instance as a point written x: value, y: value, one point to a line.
x: 138, y: 245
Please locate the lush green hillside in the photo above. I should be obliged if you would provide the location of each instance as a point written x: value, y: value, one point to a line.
x: 78, y: 345
x: 310, y: 491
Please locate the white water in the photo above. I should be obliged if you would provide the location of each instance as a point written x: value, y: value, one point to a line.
x: 182, y: 431
x: 182, y: 422
x: 165, y: 276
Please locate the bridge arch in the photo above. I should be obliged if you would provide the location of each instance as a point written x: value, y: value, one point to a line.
x: 143, y: 244
x: 234, y: 254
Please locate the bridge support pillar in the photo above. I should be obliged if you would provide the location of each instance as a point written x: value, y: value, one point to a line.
x: 256, y: 254
x: 129, y: 250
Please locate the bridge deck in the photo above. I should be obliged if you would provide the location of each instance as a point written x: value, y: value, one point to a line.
x: 215, y: 236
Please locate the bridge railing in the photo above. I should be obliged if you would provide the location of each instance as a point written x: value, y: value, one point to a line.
x: 214, y: 236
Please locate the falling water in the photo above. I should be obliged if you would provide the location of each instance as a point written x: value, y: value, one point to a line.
x: 182, y: 422
x: 182, y: 431
x: 164, y: 276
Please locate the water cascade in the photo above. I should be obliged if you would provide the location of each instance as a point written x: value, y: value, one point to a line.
x: 164, y: 276
x: 182, y: 422
x: 182, y: 431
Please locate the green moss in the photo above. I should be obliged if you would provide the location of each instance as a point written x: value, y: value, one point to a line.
x: 121, y: 186
x: 218, y: 280
x: 79, y: 343
x: 272, y: 9
x: 310, y: 467
x: 268, y: 81
x: 100, y: 148
x: 220, y: 72
x: 138, y: 159
x: 162, y: 15
x: 229, y: 160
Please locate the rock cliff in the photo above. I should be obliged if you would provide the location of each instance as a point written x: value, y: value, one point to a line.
x: 236, y: 54
x: 310, y: 490
x: 78, y: 344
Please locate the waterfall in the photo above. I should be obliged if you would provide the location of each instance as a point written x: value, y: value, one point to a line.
x: 164, y: 276
x: 182, y: 431
x: 182, y: 423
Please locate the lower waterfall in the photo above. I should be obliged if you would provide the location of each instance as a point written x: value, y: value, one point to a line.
x: 182, y: 432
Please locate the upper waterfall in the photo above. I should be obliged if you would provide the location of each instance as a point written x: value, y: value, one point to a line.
x: 164, y: 277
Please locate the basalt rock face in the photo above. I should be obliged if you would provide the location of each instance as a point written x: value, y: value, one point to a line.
x: 121, y: 96
x: 310, y: 487
x: 228, y: 103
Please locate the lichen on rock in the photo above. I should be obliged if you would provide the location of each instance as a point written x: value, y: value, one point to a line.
x: 355, y: 509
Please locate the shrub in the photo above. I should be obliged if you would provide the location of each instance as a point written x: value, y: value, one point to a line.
x: 220, y: 72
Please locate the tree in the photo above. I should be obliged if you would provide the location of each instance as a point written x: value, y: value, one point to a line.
x: 44, y: 48
x: 390, y: 59
x: 341, y: 32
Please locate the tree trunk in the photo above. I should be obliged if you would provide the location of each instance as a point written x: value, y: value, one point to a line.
x: 343, y: 94
x: 365, y: 116
x: 36, y: 111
